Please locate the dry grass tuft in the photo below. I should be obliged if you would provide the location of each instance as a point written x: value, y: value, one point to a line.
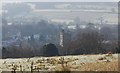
x: 100, y: 66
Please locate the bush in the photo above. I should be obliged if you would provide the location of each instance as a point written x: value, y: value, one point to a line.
x: 50, y: 50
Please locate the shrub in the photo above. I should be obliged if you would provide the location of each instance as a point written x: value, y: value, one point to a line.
x: 50, y: 50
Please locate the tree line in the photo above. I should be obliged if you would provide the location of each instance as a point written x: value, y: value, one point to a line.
x: 85, y: 42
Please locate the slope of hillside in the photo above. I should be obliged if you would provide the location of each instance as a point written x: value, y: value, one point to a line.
x: 100, y: 62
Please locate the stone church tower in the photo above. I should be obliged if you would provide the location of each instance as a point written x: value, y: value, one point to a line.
x: 65, y: 38
x: 62, y: 38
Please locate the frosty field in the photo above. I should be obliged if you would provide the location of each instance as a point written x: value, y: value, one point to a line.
x: 100, y: 62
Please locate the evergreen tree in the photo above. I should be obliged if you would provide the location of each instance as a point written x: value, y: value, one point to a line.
x: 50, y: 50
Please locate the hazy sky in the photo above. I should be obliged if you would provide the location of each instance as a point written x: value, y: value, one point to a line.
x: 60, y: 0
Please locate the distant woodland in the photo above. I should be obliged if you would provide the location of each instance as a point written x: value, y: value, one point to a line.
x: 83, y: 41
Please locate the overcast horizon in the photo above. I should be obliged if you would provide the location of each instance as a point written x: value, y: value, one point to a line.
x: 60, y: 1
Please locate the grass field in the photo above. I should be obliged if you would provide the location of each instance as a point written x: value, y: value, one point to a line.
x: 100, y: 62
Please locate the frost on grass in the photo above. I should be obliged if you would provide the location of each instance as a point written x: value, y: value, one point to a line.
x: 100, y: 62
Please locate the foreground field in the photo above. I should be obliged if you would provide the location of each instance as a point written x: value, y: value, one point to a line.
x: 100, y: 62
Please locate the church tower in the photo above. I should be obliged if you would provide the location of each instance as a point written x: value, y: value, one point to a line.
x: 62, y: 38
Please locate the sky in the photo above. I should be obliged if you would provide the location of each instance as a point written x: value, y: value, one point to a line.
x: 60, y: 0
